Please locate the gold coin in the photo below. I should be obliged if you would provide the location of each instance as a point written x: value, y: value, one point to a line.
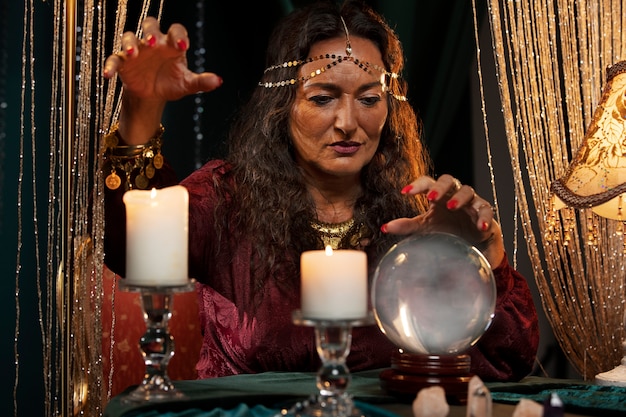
x: 150, y: 171
x: 110, y: 140
x: 141, y: 181
x: 112, y: 181
x: 158, y: 161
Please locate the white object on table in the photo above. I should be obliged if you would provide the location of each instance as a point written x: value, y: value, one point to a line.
x: 157, y: 229
x: 334, y: 284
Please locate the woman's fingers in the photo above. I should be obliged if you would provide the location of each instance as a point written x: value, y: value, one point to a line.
x: 205, y: 82
x: 447, y: 192
x: 485, y: 213
x: 151, y: 32
x: 402, y: 226
x: 130, y: 44
x: 177, y: 37
x: 443, y: 188
x: 113, y: 64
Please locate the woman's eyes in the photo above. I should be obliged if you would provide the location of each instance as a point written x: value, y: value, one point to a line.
x: 322, y: 100
x: 370, y: 100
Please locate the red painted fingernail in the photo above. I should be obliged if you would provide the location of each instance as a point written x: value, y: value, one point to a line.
x: 130, y: 50
x: 383, y: 228
x: 182, y: 45
x: 452, y: 204
x: 151, y: 39
x: 406, y: 189
x: 432, y: 195
x: 485, y: 226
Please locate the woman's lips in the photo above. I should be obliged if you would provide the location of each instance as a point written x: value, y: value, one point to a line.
x: 346, y: 148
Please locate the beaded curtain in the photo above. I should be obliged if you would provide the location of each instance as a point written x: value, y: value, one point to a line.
x: 98, y: 106
x: 70, y: 289
x: 551, y: 59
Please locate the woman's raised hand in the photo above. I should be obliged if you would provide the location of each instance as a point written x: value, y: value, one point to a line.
x: 153, y: 71
x: 155, y: 66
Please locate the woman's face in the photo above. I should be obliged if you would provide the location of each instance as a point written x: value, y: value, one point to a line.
x: 337, y: 117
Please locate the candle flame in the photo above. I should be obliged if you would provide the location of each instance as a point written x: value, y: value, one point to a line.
x: 153, y: 193
x: 329, y: 250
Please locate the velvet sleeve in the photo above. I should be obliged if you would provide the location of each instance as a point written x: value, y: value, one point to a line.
x: 507, y: 350
x: 115, y: 219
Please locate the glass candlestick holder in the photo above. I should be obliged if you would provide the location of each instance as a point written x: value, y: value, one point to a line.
x: 156, y: 344
x: 333, y: 338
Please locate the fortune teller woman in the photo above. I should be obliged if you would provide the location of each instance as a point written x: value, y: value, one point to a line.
x: 327, y: 151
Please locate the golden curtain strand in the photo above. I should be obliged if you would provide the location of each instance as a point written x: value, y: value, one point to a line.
x: 551, y: 57
x: 71, y: 303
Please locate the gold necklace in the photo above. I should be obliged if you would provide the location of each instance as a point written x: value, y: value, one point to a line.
x: 332, y: 233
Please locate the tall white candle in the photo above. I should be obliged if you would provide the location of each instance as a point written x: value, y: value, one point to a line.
x: 156, y: 236
x: 334, y: 284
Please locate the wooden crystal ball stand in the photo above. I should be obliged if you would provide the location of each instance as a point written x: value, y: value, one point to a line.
x: 411, y: 372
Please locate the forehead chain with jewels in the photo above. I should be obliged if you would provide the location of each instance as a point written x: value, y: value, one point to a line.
x: 386, y: 77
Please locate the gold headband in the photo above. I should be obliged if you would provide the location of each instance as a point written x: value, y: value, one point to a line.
x: 386, y: 77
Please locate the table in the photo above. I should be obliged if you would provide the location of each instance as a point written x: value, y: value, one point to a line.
x: 261, y: 395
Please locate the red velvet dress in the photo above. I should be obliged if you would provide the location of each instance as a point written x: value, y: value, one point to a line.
x: 243, y: 338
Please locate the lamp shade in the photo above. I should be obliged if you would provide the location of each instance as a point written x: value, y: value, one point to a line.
x: 596, y: 178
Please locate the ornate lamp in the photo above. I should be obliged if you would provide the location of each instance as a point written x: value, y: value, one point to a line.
x: 596, y: 178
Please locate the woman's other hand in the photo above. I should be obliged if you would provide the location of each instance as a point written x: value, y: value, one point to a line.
x: 454, y: 208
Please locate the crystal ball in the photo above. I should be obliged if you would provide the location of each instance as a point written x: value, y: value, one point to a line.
x: 433, y: 294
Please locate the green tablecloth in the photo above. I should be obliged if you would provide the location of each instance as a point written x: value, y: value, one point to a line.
x: 262, y: 395
x: 266, y: 389
x: 578, y: 396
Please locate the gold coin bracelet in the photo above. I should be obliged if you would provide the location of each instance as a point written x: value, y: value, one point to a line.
x: 138, y: 163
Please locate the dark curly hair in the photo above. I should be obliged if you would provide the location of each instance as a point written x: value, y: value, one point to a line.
x: 268, y: 184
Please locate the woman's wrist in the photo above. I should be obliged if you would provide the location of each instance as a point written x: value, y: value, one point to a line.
x: 139, y: 120
x: 131, y: 165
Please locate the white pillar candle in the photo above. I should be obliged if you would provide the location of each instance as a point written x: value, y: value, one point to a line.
x: 334, y: 284
x: 156, y: 236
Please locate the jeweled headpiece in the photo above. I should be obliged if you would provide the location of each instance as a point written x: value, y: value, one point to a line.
x: 386, y: 77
